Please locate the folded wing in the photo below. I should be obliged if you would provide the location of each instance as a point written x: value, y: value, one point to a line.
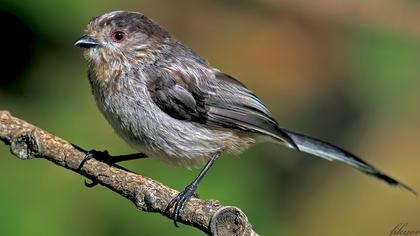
x: 221, y: 102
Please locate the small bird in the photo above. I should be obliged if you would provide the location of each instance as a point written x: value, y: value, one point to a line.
x: 166, y: 101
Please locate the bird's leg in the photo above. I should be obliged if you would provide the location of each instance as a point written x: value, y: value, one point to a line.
x: 105, y: 157
x: 111, y: 160
x: 182, y: 198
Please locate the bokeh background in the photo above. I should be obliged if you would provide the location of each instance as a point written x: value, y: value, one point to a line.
x: 345, y: 71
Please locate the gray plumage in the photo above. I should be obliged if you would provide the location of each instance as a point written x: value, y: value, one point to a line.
x: 165, y: 100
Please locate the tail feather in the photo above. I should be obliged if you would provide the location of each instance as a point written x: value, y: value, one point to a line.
x: 333, y: 153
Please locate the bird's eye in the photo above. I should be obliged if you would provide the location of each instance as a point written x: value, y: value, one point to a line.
x: 118, y: 35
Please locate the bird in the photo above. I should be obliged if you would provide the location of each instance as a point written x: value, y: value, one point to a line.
x: 168, y: 102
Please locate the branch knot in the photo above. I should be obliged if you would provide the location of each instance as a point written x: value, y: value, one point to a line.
x: 24, y: 146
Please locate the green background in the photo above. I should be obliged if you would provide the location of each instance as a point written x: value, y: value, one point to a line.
x: 344, y: 71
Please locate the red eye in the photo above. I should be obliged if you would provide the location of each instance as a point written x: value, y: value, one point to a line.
x: 118, y: 35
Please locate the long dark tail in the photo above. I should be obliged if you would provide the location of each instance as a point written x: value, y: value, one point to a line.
x: 333, y: 153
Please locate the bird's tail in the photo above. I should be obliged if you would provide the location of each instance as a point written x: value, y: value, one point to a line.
x: 333, y: 153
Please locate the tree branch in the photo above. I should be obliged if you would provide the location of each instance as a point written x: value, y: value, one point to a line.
x: 27, y: 141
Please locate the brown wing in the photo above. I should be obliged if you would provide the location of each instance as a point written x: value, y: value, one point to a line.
x: 213, y: 105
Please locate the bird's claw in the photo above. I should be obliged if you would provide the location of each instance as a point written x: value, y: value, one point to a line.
x: 98, y: 155
x: 179, y: 202
x: 92, y: 184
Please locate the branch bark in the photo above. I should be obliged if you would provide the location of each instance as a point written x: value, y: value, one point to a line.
x: 27, y: 141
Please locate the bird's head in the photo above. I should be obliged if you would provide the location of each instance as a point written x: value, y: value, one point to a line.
x: 120, y: 37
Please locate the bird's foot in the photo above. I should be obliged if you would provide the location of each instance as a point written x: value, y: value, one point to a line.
x: 183, y: 197
x: 104, y: 156
x: 98, y: 155
x: 179, y: 202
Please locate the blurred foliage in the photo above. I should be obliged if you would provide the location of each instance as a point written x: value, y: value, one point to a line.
x: 347, y: 76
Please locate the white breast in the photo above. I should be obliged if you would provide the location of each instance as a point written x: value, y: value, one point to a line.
x: 135, y: 117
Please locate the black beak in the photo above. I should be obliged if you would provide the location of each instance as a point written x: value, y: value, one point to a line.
x: 86, y: 42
